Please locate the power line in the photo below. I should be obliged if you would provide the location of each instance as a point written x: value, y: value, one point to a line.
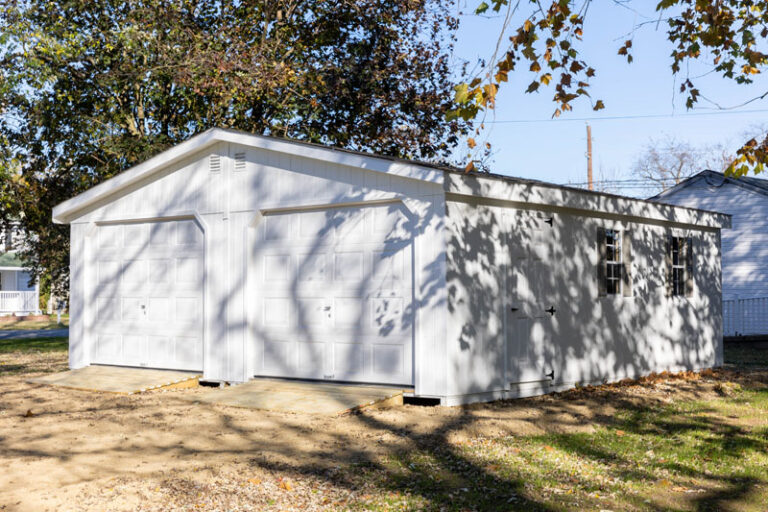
x: 616, y: 118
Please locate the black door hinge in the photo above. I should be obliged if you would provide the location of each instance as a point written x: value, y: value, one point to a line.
x: 551, y: 375
x: 550, y: 221
x: 513, y: 309
x: 551, y: 310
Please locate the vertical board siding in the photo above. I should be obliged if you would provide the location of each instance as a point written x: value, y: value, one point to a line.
x: 228, y: 202
x: 745, y: 245
x: 589, y: 338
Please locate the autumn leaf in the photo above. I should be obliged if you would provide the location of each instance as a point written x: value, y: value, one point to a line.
x: 481, y: 8
x: 469, y: 167
x: 527, y: 26
x: 471, y: 143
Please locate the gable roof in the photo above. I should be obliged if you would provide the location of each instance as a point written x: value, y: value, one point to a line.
x: 717, y: 179
x: 422, y: 171
x: 448, y: 177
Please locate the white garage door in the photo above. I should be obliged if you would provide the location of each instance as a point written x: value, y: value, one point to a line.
x: 334, y: 294
x: 148, y: 295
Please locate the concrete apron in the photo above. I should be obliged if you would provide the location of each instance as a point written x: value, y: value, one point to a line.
x: 115, y: 379
x: 302, y: 397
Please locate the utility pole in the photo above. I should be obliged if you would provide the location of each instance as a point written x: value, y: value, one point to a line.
x: 589, y: 158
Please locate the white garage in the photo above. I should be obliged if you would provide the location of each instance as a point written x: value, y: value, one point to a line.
x: 244, y: 257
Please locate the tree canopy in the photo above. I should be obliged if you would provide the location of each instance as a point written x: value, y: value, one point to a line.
x: 88, y: 89
x: 544, y: 39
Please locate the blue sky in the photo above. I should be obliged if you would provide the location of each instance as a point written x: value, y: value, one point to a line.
x: 556, y: 150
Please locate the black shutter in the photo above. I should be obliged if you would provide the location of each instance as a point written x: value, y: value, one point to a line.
x: 689, y: 267
x: 669, y: 284
x: 626, y: 262
x: 602, y: 291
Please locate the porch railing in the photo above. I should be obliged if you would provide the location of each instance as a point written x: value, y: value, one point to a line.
x: 19, y: 302
x: 745, y: 317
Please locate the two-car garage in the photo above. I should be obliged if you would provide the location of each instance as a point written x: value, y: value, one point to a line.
x: 330, y: 296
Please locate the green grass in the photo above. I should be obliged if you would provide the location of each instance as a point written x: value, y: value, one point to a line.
x: 704, y: 455
x: 59, y: 344
x: 36, y: 324
x: 709, y: 454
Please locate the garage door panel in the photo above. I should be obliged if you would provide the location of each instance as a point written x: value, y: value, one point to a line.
x: 148, y: 295
x: 311, y: 356
x: 388, y: 359
x: 349, y: 360
x: 277, y: 355
x: 349, y: 291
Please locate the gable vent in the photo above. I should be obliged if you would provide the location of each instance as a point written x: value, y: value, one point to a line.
x: 239, y: 161
x: 215, y: 163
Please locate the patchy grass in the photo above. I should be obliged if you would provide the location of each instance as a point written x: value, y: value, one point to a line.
x: 57, y: 344
x: 35, y: 324
x: 685, y: 442
x: 699, y: 455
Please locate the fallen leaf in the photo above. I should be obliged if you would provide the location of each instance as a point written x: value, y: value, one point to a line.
x: 548, y: 448
x: 619, y: 433
x: 29, y: 413
x: 254, y: 481
x: 285, y: 484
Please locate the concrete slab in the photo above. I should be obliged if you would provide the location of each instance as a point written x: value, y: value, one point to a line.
x: 301, y: 396
x: 115, y: 379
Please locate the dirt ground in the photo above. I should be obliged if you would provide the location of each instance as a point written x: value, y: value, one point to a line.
x: 75, y: 450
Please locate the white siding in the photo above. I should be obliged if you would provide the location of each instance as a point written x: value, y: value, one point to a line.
x: 229, y: 202
x: 463, y: 287
x: 589, y: 339
x: 745, y: 245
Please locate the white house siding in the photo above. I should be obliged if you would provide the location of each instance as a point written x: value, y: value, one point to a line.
x: 588, y: 339
x: 745, y: 245
x: 230, y: 202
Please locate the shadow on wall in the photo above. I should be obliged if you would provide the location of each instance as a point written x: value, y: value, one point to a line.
x: 524, y: 305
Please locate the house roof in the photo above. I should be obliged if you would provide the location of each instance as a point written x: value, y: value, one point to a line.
x: 717, y: 179
x: 414, y: 169
x: 10, y: 259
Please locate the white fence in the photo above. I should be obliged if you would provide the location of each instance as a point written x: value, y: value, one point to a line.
x: 19, y: 302
x: 745, y: 317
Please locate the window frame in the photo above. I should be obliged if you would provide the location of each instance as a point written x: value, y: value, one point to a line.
x: 680, y: 268
x: 613, y: 267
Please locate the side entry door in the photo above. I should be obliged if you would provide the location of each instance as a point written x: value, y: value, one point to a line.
x: 529, y: 308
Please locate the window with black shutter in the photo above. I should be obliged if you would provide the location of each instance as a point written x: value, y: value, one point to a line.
x: 614, y: 275
x: 679, y: 266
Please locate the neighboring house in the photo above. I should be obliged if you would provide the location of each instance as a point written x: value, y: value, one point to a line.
x: 19, y: 294
x: 744, y: 246
x: 243, y: 256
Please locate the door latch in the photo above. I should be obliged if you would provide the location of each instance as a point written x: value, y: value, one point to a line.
x: 514, y: 309
x: 550, y: 221
x: 551, y: 375
x: 551, y: 310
